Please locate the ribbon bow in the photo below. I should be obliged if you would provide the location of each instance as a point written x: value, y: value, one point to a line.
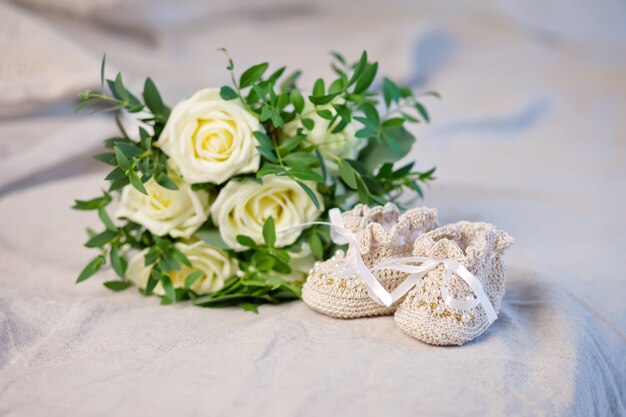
x: 417, y: 272
x: 355, y: 266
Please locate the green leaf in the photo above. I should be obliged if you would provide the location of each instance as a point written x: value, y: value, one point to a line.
x: 315, y: 243
x: 152, y: 98
x: 266, y: 113
x: 306, y: 174
x: 120, y: 90
x: 300, y: 159
x: 118, y: 184
x: 297, y: 100
x: 291, y: 143
x: 91, y: 268
x: 422, y: 111
x: 309, y: 124
x: 358, y: 69
x: 370, y: 113
x: 347, y: 174
x: 153, y: 280
x: 431, y: 93
x: 107, y: 158
x: 146, y: 139
x: 269, y: 169
x: 277, y: 120
x: 101, y: 239
x: 269, y: 232
x: 267, y: 154
x: 166, y: 182
x: 228, y: 93
x: 397, y: 121
x: 102, y: 65
x: 107, y: 220
x: 276, y: 74
x: 118, y: 262
x: 192, y: 278
x: 93, y: 204
x: 321, y: 100
x: 264, y: 140
x: 318, y: 88
x: 290, y: 82
x: 246, y: 241
x: 87, y: 103
x: 320, y: 158
x: 325, y: 114
x: 181, y: 257
x: 282, y: 101
x: 136, y: 182
x: 366, y: 79
x: 380, y: 151
x: 168, y: 287
x: 128, y: 149
x: 253, y: 308
x: 264, y: 263
x: 116, y: 174
x: 337, y: 86
x: 252, y: 74
x: 122, y: 160
x: 391, y: 92
x: 310, y: 193
x: 362, y: 191
x: 212, y: 237
x: 338, y: 57
x: 118, y: 285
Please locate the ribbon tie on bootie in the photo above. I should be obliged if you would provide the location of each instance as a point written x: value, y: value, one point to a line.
x: 354, y: 265
x: 417, y: 272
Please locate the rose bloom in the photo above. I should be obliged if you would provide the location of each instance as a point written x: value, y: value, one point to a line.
x: 178, y: 213
x: 242, y: 207
x: 210, y: 138
x: 343, y: 144
x: 215, y: 264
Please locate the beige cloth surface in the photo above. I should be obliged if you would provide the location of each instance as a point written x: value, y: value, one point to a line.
x: 529, y: 136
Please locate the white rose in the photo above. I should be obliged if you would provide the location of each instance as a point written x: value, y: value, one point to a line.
x: 343, y: 144
x: 215, y: 264
x: 210, y: 139
x: 242, y: 207
x: 178, y: 213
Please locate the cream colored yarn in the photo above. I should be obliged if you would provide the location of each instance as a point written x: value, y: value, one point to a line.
x: 384, y: 233
x: 477, y: 246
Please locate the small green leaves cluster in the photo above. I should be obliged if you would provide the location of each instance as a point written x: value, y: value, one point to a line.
x: 114, y: 243
x: 349, y: 98
x: 134, y: 161
x: 259, y: 281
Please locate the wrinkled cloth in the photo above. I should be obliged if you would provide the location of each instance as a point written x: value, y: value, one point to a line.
x: 529, y: 136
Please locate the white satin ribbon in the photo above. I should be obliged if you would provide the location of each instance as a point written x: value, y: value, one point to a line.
x: 354, y: 265
x: 354, y: 262
x: 417, y: 272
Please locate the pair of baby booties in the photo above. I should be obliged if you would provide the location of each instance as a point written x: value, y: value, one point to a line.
x: 386, y: 234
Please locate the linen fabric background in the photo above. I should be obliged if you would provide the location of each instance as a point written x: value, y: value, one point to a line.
x: 529, y: 136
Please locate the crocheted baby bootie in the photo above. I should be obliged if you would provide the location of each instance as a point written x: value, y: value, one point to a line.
x: 444, y: 308
x: 383, y: 234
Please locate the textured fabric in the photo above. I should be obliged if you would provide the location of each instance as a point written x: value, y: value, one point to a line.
x: 384, y: 234
x: 528, y: 135
x: 479, y: 247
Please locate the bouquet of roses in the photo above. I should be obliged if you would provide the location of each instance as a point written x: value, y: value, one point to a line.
x: 215, y: 195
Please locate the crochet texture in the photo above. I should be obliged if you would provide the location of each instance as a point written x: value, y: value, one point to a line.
x: 477, y: 246
x: 384, y: 233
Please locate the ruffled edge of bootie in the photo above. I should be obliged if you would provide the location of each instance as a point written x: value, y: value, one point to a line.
x: 388, y: 225
x: 465, y: 242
